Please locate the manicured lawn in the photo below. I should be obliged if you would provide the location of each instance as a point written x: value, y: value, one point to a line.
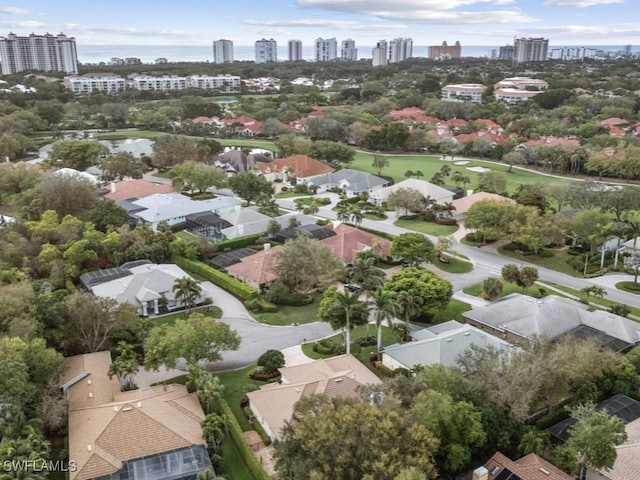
x: 388, y: 338
x: 286, y: 314
x: 629, y: 287
x: 289, y: 194
x: 215, y: 312
x: 601, y: 301
x: 184, y: 235
x: 454, y: 266
x: 236, y: 385
x: 454, y: 311
x: 507, y: 288
x: 377, y: 218
x: 166, y: 174
x: 430, y: 228
x: 558, y: 262
x: 119, y: 134
x: 233, y: 465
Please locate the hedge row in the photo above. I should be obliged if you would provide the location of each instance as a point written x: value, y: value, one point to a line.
x: 227, y: 282
x: 237, y: 436
x: 238, y: 242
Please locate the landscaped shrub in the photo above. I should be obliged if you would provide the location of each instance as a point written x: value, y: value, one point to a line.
x: 446, y: 221
x: 323, y: 200
x: 241, y: 242
x: 545, y: 254
x: 552, y: 418
x: 238, y: 438
x: 227, y: 282
x: 263, y: 375
x: 366, y: 341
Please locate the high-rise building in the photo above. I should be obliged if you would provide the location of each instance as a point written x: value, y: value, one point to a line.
x: 506, y: 52
x: 326, y: 49
x: 444, y: 51
x: 266, y: 51
x: 295, y: 50
x: 222, y: 51
x: 349, y: 52
x: 400, y: 49
x: 530, y: 49
x: 379, y: 54
x: 48, y: 53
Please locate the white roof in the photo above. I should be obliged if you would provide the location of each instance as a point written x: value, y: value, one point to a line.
x: 70, y: 172
x: 439, y: 194
x: 165, y: 206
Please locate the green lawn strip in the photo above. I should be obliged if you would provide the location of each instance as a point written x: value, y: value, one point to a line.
x: 629, y: 287
x: 454, y: 311
x: 603, y: 302
x: 371, y: 216
x: 166, y: 174
x: 287, y: 314
x: 558, y: 262
x: 216, y: 312
x: 122, y: 134
x: 233, y: 465
x: 362, y: 353
x: 289, y: 194
x: 507, y: 289
x: 236, y: 385
x: 184, y: 235
x: 430, y: 228
x: 454, y: 266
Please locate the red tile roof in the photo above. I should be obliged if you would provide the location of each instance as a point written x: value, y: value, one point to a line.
x: 302, y: 166
x: 349, y: 241
x: 136, y: 189
x: 530, y: 467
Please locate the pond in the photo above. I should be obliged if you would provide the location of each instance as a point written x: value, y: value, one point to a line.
x: 135, y: 146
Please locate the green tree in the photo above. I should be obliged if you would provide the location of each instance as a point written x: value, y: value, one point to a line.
x: 125, y: 365
x: 527, y: 277
x: 171, y: 150
x: 594, y: 436
x: 533, y: 441
x: 413, y: 248
x: 510, y: 273
x: 187, y: 291
x: 457, y: 425
x: 120, y: 166
x: 196, y: 338
x: 356, y: 215
x: 249, y: 186
x: 332, y: 152
x: 343, y: 310
x: 493, y: 182
x: 66, y: 195
x: 386, y: 308
x: 196, y: 176
x: 407, y: 199
x: 292, y: 144
x: 107, y: 214
x: 435, y: 291
x: 491, y: 288
x: 271, y: 360
x: 77, y: 154
x: 214, y: 429
x: 209, y: 389
x: 348, y: 439
x: 380, y: 162
x: 491, y: 218
x: 304, y: 265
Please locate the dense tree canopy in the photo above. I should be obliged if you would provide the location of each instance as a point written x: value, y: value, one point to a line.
x: 434, y: 291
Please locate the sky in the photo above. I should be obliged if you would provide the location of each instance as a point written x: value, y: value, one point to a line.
x: 428, y: 22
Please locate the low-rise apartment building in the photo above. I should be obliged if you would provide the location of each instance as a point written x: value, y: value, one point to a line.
x: 464, y: 92
x: 514, y: 90
x: 110, y: 83
x: 86, y: 84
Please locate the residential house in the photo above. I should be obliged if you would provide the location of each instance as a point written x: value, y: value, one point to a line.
x: 530, y: 467
x: 299, y: 166
x: 235, y: 161
x: 441, y: 344
x: 151, y: 433
x: 519, y: 318
x: 350, y: 182
x: 349, y: 241
x: 339, y: 376
x: 136, y: 188
x: 249, y: 221
x: 462, y: 205
x: 244, y: 126
x: 316, y: 232
x: 428, y: 190
x: 143, y: 284
x: 174, y: 208
x: 72, y: 173
x: 257, y: 270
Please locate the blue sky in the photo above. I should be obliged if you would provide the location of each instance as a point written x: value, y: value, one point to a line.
x: 428, y: 22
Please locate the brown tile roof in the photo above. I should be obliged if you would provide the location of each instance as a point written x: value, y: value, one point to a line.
x: 86, y: 380
x: 257, y: 269
x: 335, y: 377
x: 136, y: 189
x: 530, y: 467
x: 302, y: 166
x: 627, y: 466
x: 465, y: 203
x: 349, y: 241
x: 108, y: 427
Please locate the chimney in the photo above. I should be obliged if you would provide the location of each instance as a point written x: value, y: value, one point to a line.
x: 113, y: 187
x: 480, y: 473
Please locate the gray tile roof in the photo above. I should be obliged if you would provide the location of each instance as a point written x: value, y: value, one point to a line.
x: 552, y: 317
x: 353, y: 180
x: 445, y: 346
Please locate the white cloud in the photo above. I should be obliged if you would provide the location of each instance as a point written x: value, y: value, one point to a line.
x: 366, y: 6
x: 15, y: 10
x: 580, y: 3
x: 327, y: 24
x: 575, y: 34
x: 442, y: 17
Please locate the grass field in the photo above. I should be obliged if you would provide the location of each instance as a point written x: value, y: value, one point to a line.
x: 558, y: 262
x: 215, y: 312
x: 430, y: 228
x: 507, y: 289
x: 455, y: 265
x: 286, y: 314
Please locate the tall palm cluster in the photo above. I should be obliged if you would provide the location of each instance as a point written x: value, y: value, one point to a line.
x: 22, y: 439
x: 386, y: 305
x: 187, y: 291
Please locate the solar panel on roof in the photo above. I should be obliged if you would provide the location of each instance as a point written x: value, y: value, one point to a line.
x: 507, y: 474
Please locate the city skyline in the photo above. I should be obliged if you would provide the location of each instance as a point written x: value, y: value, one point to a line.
x: 472, y: 22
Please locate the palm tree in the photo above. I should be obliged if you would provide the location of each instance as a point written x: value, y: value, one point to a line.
x: 448, y: 208
x: 357, y: 216
x: 16, y: 425
x: 313, y: 208
x: 349, y: 305
x: 187, y: 292
x: 214, y: 427
x: 209, y: 389
x: 364, y: 273
x: 343, y: 212
x: 387, y: 308
x: 410, y: 304
x: 533, y: 441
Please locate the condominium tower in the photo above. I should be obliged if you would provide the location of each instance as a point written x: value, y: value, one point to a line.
x: 295, y: 50
x: 48, y: 53
x: 349, y: 52
x: 400, y: 49
x: 222, y: 51
x: 326, y: 50
x: 530, y: 49
x: 379, y: 54
x: 266, y: 51
x: 445, y: 51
